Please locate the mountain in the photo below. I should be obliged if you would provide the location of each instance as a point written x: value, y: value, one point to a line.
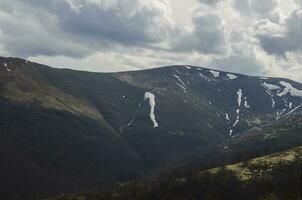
x: 65, y: 131
x: 276, y: 176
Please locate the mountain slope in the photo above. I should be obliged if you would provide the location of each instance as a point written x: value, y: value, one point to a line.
x: 53, y: 142
x: 82, y: 127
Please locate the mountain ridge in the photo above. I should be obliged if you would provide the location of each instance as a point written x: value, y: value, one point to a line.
x: 147, y: 69
x: 84, y: 126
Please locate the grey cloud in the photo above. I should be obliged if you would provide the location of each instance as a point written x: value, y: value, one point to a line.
x: 54, y: 27
x: 246, y: 64
x: 207, y: 36
x: 23, y: 37
x: 258, y: 7
x: 210, y: 2
x: 128, y: 22
x: 289, y: 42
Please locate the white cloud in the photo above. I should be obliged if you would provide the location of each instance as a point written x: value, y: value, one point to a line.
x: 247, y: 36
x: 78, y: 28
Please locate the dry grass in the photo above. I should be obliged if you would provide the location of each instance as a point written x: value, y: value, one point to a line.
x: 246, y: 171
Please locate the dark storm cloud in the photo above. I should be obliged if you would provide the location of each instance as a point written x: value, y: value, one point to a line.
x: 207, y: 36
x: 291, y: 41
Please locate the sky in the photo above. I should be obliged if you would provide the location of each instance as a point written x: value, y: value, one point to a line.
x: 253, y: 37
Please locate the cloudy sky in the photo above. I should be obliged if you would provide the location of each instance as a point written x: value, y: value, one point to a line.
x: 256, y: 37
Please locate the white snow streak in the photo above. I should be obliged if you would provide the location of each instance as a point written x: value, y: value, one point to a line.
x: 179, y: 79
x: 203, y: 76
x: 151, y: 97
x: 270, y: 93
x: 134, y: 116
x: 239, y: 100
x: 182, y: 87
x: 236, y: 122
x: 294, y: 110
x: 182, y: 84
x: 279, y: 114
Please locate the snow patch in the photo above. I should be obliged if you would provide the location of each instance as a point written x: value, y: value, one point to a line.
x: 289, y: 89
x: 151, y: 97
x: 231, y: 76
x: 239, y: 99
x: 246, y: 105
x: 227, y: 116
x: 238, y: 111
x: 214, y: 73
x: 226, y: 148
x: 188, y: 67
x: 6, y: 66
x: 270, y: 86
